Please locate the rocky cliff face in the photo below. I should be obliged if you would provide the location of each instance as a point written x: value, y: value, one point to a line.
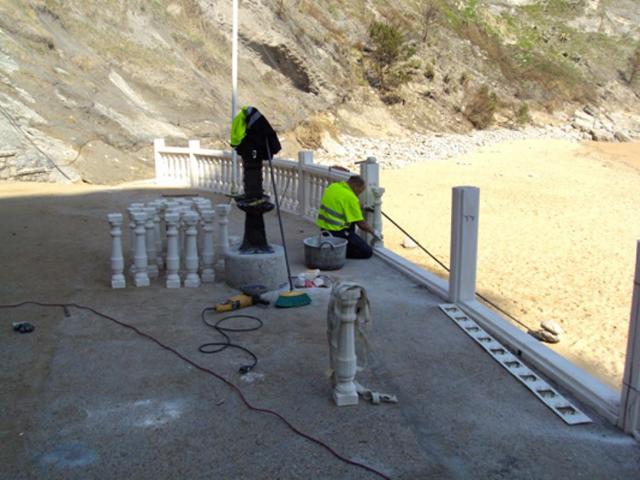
x: 85, y: 86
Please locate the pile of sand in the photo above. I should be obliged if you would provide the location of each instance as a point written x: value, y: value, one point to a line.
x: 557, y: 240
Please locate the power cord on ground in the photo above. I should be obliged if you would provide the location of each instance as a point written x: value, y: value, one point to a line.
x: 481, y: 297
x: 217, y: 347
x: 66, y: 306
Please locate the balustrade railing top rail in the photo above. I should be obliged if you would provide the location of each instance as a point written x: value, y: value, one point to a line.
x: 300, y: 183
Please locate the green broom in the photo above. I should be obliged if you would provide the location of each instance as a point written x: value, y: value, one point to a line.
x: 292, y: 298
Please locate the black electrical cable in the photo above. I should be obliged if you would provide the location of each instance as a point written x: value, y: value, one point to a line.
x: 217, y: 347
x: 235, y: 388
x: 486, y: 300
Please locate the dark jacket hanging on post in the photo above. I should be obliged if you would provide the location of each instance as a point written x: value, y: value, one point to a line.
x: 255, y: 140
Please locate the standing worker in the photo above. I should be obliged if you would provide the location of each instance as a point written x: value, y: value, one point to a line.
x: 340, y: 212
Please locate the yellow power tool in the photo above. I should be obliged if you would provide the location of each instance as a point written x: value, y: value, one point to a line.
x: 250, y: 296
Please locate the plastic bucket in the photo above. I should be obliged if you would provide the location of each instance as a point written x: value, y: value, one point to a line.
x: 325, y: 252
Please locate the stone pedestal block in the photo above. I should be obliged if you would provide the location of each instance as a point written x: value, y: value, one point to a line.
x: 266, y: 269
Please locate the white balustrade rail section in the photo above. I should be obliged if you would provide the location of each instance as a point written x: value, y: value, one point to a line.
x: 300, y: 184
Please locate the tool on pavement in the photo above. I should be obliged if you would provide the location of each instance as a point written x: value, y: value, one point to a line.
x: 251, y: 295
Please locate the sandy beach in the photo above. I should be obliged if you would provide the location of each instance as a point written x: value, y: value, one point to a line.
x: 557, y: 240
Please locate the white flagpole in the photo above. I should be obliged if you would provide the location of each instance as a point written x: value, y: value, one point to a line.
x: 234, y: 90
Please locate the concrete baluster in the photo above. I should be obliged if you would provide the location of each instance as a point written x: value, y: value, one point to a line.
x: 345, y: 361
x: 157, y: 232
x: 117, y: 259
x: 377, y: 212
x: 172, y: 218
x: 132, y: 240
x: 191, y: 250
x: 222, y: 211
x: 208, y: 253
x: 304, y: 186
x: 152, y: 266
x: 141, y: 278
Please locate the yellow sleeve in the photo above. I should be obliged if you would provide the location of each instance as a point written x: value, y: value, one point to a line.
x: 352, y: 210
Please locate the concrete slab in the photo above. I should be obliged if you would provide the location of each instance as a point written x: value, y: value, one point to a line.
x: 84, y: 398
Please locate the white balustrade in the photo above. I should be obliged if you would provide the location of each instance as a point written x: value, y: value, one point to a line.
x: 172, y: 218
x: 157, y: 232
x: 141, y: 278
x: 150, y: 238
x: 192, y: 279
x: 344, y: 360
x: 117, y: 259
x: 208, y: 253
x: 376, y: 221
x: 222, y: 210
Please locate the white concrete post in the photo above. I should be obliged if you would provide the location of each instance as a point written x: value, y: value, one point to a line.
x: 157, y: 232
x: 191, y: 250
x: 194, y: 175
x: 377, y: 211
x: 161, y: 170
x: 345, y: 362
x: 222, y: 210
x: 629, y: 419
x: 208, y: 254
x: 141, y: 278
x: 152, y: 266
x: 304, y: 186
x: 370, y: 172
x: 117, y: 259
x: 172, y: 218
x: 464, y: 243
x: 132, y: 237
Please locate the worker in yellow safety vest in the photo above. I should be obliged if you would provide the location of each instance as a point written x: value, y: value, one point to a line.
x: 340, y: 213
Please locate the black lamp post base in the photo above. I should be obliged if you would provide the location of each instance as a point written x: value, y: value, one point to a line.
x: 255, y: 237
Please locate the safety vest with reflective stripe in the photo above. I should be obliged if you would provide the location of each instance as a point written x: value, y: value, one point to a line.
x: 242, y: 122
x: 339, y: 207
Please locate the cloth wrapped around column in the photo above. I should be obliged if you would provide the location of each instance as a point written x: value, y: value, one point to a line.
x: 348, y: 322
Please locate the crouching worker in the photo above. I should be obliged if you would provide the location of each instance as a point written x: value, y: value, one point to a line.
x: 340, y: 213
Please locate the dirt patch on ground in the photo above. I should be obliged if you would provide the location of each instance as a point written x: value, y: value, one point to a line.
x: 558, y: 232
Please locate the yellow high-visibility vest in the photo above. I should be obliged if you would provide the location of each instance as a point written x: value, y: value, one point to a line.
x: 339, y: 208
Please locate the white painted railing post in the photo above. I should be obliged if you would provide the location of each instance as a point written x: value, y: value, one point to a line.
x: 161, y: 169
x: 172, y: 219
x: 194, y: 176
x: 377, y: 211
x: 629, y: 418
x: 304, y: 185
x: 141, y: 278
x: 464, y: 243
x: 192, y: 280
x: 208, y: 254
x: 344, y: 363
x: 117, y: 259
x: 222, y: 210
x: 150, y: 237
x: 370, y: 172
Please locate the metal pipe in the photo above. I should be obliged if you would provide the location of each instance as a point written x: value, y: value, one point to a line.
x: 234, y: 89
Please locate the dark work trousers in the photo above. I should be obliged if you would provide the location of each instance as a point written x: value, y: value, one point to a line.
x: 357, y: 247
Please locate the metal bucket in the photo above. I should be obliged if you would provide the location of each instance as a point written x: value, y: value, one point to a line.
x: 325, y: 252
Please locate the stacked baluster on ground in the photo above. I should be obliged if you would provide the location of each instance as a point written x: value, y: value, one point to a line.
x: 170, y: 238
